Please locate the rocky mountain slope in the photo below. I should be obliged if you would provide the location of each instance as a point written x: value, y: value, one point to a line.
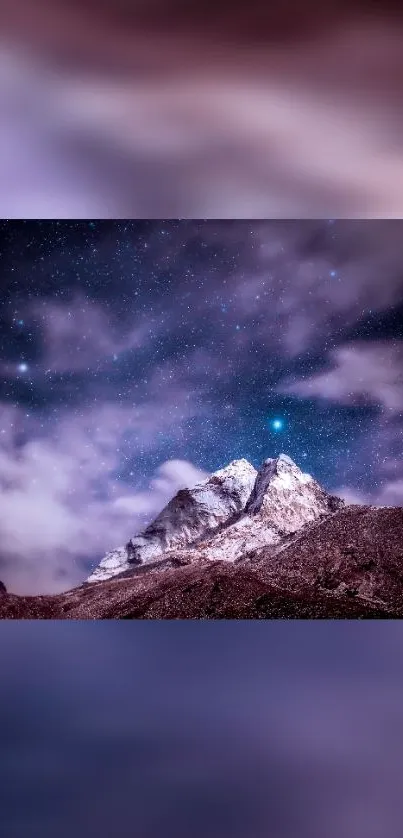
x: 213, y: 590
x: 246, y: 545
x: 357, y: 552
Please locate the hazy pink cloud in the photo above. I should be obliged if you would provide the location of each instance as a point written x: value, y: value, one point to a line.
x: 351, y: 495
x: 80, y: 334
x: 306, y: 297
x: 61, y: 502
x: 77, y: 336
x: 366, y: 373
x: 392, y: 493
x: 362, y: 372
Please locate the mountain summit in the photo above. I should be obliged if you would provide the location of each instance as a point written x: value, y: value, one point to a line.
x: 234, y: 510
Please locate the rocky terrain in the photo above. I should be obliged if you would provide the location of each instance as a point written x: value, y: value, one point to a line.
x: 244, y: 545
x: 357, y: 552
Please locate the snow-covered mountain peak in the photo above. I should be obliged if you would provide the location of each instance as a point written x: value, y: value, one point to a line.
x: 237, y: 479
x: 235, y: 467
x: 231, y: 512
x: 280, y: 473
x: 283, y: 500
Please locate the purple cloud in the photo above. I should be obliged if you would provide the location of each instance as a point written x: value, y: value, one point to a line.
x: 362, y: 372
x: 366, y: 373
x: 80, y: 335
x: 61, y: 500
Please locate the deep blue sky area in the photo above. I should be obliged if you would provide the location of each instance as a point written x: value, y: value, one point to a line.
x: 138, y: 356
x: 210, y: 730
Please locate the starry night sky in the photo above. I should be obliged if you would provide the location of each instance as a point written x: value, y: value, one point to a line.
x: 138, y: 356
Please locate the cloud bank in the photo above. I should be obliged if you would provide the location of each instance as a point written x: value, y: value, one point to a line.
x: 62, y: 503
x: 361, y: 372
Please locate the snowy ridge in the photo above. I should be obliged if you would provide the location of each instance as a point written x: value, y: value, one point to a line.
x: 190, y: 514
x: 234, y: 511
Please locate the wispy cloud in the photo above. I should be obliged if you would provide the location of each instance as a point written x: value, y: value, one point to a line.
x: 61, y: 499
x: 80, y: 335
x: 362, y: 373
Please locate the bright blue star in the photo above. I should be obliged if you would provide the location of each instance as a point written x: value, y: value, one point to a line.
x: 333, y: 273
x: 277, y: 424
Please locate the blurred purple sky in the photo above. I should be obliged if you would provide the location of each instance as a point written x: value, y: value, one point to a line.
x: 229, y: 110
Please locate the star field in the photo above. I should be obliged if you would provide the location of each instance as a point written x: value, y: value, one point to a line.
x: 131, y: 347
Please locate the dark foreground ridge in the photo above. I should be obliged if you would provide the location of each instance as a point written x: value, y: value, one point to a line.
x: 346, y: 566
x: 216, y: 591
